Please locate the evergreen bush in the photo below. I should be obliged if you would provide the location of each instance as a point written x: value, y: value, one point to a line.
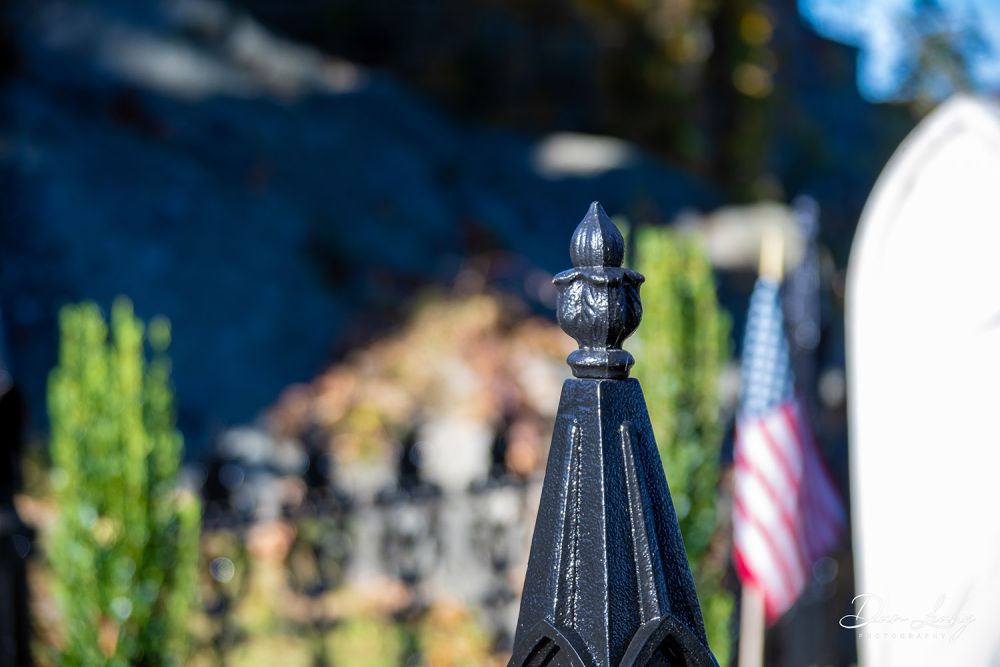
x: 124, y: 549
x: 681, y: 349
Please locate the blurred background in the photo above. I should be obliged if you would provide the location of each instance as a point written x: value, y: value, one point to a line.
x: 334, y: 224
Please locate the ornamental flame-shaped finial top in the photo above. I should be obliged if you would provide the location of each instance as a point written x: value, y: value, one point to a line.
x: 598, y: 301
x: 596, y: 241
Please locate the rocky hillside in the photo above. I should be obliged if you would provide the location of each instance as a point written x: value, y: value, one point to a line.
x: 275, y: 204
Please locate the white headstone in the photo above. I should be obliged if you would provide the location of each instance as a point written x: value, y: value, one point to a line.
x: 924, y: 372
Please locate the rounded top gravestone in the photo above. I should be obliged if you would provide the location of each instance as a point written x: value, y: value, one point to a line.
x: 924, y: 368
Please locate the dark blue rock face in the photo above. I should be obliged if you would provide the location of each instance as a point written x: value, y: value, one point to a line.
x: 266, y: 199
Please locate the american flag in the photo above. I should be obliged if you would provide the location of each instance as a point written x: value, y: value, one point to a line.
x: 786, y: 510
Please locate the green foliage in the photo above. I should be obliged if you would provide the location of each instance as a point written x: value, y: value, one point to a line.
x: 366, y: 641
x: 680, y: 350
x: 125, y: 547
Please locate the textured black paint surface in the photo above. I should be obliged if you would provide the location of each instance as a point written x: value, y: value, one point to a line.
x: 597, y: 301
x: 608, y: 583
x: 608, y: 573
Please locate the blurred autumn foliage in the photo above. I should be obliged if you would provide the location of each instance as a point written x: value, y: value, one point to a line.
x: 477, y: 357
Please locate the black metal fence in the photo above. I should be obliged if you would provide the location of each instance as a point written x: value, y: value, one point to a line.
x: 401, y: 524
x: 15, y: 537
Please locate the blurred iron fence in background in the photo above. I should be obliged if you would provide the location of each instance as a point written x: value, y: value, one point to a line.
x: 421, y: 542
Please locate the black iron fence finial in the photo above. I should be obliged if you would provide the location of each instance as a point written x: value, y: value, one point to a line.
x: 608, y: 583
x: 598, y: 300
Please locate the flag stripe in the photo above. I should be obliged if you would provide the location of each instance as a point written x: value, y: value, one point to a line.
x: 817, y: 492
x: 763, y: 561
x: 750, y: 578
x: 823, y: 482
x: 787, y: 449
x: 754, y: 444
x: 750, y: 487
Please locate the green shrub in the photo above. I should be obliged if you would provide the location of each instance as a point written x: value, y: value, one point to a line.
x: 125, y: 547
x: 680, y: 351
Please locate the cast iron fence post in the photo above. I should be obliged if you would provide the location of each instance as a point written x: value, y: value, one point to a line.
x: 16, y: 539
x: 608, y: 583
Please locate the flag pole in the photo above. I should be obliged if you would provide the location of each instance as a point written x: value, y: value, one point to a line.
x: 752, y: 621
x: 772, y: 254
x: 751, y: 628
